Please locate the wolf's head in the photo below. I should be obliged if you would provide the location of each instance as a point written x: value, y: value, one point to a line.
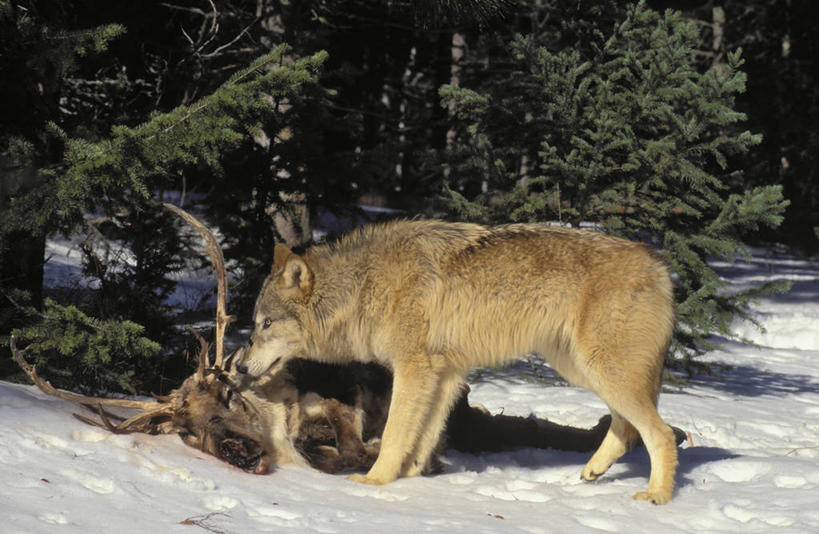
x: 277, y: 331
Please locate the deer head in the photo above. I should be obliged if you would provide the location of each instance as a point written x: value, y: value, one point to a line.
x: 207, y: 410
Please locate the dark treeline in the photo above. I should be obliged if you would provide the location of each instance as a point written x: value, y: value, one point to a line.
x: 269, y: 118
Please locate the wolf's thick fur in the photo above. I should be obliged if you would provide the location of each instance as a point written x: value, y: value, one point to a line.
x: 430, y: 300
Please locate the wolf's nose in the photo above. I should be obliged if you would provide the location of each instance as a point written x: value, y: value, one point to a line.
x: 241, y: 368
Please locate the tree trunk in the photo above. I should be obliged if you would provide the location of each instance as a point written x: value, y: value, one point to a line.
x: 456, y: 56
x: 718, y: 29
x: 292, y: 220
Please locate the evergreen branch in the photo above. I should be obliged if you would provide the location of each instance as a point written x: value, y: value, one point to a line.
x: 266, y: 60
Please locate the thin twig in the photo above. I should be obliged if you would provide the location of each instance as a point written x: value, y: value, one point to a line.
x: 214, y: 27
x: 797, y: 449
x: 228, y: 44
x: 200, y: 107
x: 200, y: 521
x: 21, y: 308
x: 194, y: 10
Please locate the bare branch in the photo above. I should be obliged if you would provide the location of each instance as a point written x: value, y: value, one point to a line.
x: 202, y: 521
x: 215, y: 14
x: 188, y: 37
x: 231, y: 42
x: 194, y: 10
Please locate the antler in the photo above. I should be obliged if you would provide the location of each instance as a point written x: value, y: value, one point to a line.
x: 141, y: 422
x: 154, y: 416
x: 218, y: 259
x: 47, y: 388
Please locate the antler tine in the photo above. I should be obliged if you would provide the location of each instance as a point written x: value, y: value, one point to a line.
x: 225, y: 379
x: 46, y: 387
x: 218, y: 259
x: 204, y: 349
x: 125, y: 427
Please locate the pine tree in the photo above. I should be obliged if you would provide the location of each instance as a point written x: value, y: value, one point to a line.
x: 780, y: 47
x: 117, y: 175
x: 132, y: 159
x: 35, y: 58
x: 76, y: 351
x: 626, y: 133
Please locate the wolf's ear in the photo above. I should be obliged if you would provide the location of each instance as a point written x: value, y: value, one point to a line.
x: 296, y: 280
x: 280, y: 255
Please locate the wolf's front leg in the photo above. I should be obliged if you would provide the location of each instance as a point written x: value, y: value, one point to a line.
x: 449, y: 387
x: 416, y: 386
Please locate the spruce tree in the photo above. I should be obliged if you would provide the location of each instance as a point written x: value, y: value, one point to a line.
x: 120, y: 175
x: 76, y: 351
x: 626, y: 133
x: 36, y: 56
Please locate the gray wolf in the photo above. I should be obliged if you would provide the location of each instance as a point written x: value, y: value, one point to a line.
x: 430, y: 300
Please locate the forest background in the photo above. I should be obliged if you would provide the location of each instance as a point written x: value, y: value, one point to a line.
x: 685, y: 124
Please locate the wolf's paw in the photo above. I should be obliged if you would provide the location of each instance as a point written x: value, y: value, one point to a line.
x: 364, y: 479
x: 591, y: 473
x: 654, y: 497
x: 588, y: 476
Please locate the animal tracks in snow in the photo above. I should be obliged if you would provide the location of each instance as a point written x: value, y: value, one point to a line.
x: 598, y: 523
x: 90, y: 435
x: 219, y: 503
x: 53, y: 518
x: 96, y: 483
x: 272, y: 514
x: 516, y: 495
x: 737, y: 471
x: 47, y: 441
x: 746, y: 514
x: 375, y: 492
x: 793, y: 482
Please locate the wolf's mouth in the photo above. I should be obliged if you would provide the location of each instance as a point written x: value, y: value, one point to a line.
x: 272, y: 366
x: 244, y: 453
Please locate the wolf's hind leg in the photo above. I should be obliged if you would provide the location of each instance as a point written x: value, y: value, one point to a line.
x: 662, y: 449
x: 620, y: 436
x: 639, y: 408
x: 415, y: 389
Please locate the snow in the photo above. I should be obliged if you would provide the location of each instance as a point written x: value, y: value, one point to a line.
x: 752, y: 464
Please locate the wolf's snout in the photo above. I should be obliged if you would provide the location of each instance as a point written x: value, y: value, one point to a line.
x: 241, y: 368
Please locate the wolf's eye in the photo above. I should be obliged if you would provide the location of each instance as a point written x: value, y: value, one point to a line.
x: 267, y: 323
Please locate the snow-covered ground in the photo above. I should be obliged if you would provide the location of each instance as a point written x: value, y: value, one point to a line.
x: 752, y: 464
